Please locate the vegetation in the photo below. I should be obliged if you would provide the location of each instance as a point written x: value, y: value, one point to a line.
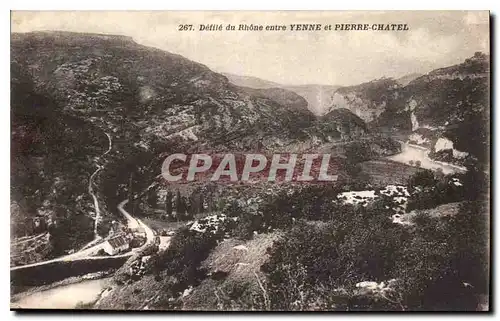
x: 318, y: 268
x: 59, y: 126
x: 429, y: 189
x: 184, y: 256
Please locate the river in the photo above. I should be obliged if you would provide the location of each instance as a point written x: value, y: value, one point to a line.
x: 87, y: 291
x: 415, y: 153
x: 69, y: 296
x: 64, y: 296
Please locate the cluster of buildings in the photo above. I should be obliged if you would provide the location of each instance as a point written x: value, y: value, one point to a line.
x: 123, y: 239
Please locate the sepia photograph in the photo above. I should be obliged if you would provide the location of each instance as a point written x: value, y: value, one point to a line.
x: 250, y: 161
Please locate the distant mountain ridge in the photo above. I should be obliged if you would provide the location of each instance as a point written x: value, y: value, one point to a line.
x: 251, y: 82
x: 405, y: 80
x: 318, y: 97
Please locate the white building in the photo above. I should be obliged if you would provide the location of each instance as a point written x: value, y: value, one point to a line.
x: 116, y: 245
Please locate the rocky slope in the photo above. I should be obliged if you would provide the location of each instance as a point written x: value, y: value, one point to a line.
x: 319, y: 97
x: 450, y: 103
x: 368, y: 100
x: 69, y: 90
x: 50, y: 151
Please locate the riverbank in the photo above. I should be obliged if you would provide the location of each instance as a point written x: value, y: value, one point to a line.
x: 64, y: 294
x: 411, y: 154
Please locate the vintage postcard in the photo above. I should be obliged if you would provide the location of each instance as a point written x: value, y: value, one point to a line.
x: 250, y: 161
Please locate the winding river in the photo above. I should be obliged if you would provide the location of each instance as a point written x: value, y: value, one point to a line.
x: 71, y: 295
x: 87, y: 291
x: 412, y: 153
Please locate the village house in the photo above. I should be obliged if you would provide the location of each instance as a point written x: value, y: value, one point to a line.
x: 116, y: 245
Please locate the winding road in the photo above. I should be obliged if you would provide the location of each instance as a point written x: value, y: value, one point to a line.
x: 90, y: 250
x: 90, y: 253
x: 135, y: 223
x: 98, y: 216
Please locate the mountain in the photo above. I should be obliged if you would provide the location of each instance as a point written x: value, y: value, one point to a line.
x: 318, y: 97
x: 251, y: 82
x: 345, y: 122
x: 450, y: 103
x: 453, y: 103
x: 367, y: 100
x: 98, y: 112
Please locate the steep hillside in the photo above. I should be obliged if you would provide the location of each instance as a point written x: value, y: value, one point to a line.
x: 454, y: 103
x: 50, y: 152
x: 449, y: 103
x: 72, y: 92
x: 319, y: 97
x: 347, y: 124
x: 368, y: 100
x: 112, y: 77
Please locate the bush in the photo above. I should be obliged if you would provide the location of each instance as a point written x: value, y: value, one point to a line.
x: 422, y: 179
x: 309, y: 266
x: 184, y: 256
x: 436, y: 264
x: 429, y: 190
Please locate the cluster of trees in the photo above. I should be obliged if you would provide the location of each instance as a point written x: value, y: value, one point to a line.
x: 177, y: 207
x: 281, y: 210
x: 439, y: 264
x: 429, y: 189
x: 357, y: 152
x: 180, y: 265
x: 70, y: 230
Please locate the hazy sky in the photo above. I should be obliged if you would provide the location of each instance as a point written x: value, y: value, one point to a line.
x: 435, y: 39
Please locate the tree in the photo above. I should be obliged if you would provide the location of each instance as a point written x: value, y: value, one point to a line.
x: 201, y: 203
x: 180, y: 206
x: 168, y: 203
x: 439, y: 173
x: 186, y: 214
x: 152, y: 198
x: 195, y: 206
x: 423, y: 179
x: 356, y: 153
x: 475, y: 181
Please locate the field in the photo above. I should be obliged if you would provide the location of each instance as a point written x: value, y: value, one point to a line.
x: 385, y: 172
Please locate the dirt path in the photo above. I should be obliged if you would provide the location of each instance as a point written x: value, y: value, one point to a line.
x: 98, y: 215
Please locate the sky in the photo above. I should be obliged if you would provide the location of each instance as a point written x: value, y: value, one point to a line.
x: 435, y: 39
